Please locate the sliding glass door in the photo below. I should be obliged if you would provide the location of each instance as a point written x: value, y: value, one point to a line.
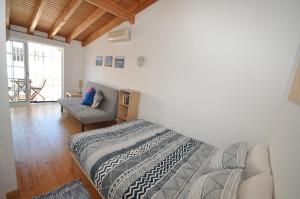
x: 45, y: 72
x: 34, y: 72
x: 18, y: 84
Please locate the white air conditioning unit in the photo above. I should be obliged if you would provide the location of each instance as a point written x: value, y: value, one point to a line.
x: 119, y: 35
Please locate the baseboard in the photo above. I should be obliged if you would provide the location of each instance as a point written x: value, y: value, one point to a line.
x: 13, y: 194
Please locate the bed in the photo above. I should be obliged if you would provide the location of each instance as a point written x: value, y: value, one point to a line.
x: 140, y: 159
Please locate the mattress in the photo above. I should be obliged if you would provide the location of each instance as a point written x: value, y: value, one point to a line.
x: 140, y: 159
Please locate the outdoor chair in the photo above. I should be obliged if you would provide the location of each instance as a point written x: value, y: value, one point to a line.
x: 36, y: 91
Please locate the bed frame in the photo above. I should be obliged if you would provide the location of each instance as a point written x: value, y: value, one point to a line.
x: 95, y: 194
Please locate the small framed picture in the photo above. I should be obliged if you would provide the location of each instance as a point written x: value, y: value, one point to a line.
x: 99, y: 60
x: 119, y: 62
x: 108, y: 61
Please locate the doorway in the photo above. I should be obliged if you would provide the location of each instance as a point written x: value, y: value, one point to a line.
x: 17, y: 71
x: 45, y: 72
x: 34, y: 72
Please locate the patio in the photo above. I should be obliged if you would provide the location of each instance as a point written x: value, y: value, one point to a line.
x: 18, y: 91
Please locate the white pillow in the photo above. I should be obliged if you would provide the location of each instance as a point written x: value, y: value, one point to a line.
x: 231, y: 157
x: 223, y: 183
x: 257, y: 187
x: 98, y: 98
x: 257, y: 161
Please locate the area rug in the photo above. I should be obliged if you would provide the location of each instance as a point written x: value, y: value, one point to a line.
x: 72, y: 190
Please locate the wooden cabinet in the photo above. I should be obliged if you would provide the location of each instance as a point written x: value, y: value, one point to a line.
x: 128, y: 105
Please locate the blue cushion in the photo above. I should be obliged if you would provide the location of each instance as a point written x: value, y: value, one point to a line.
x: 88, y: 97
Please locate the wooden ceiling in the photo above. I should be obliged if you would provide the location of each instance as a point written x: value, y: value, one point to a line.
x: 81, y: 20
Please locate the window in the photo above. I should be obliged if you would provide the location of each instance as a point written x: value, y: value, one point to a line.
x: 16, y: 71
x: 18, y: 54
x: 45, y: 63
x: 38, y: 56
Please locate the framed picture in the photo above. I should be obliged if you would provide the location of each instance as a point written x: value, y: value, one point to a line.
x: 108, y: 61
x: 99, y: 60
x: 119, y: 62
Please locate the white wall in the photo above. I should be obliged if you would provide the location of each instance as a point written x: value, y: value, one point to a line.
x: 73, y: 56
x: 8, y: 181
x: 285, y: 147
x: 284, y: 150
x: 216, y: 70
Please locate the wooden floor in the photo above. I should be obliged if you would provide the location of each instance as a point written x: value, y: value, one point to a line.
x: 41, y: 133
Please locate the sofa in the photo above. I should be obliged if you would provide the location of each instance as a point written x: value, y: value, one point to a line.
x: 106, y: 112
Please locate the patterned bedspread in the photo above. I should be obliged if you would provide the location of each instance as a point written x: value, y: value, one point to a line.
x: 140, y: 159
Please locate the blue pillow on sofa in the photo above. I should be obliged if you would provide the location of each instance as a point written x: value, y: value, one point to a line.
x: 88, y: 97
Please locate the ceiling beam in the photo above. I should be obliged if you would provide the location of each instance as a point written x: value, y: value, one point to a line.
x: 114, y: 9
x: 116, y: 21
x: 97, y: 14
x: 7, y: 13
x: 37, y: 15
x: 71, y: 8
x: 92, y: 18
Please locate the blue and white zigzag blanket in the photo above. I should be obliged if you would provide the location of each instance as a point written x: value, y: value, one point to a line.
x: 140, y: 159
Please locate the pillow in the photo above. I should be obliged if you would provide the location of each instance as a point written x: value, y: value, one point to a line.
x: 232, y: 157
x: 257, y: 187
x: 257, y: 161
x: 217, y: 184
x: 98, y: 98
x: 88, y: 96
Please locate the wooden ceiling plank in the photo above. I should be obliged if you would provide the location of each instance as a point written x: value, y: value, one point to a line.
x: 7, y: 13
x: 114, y: 9
x: 72, y: 7
x: 143, y: 5
x: 97, y: 14
x: 109, y: 26
x: 117, y: 21
x: 37, y: 16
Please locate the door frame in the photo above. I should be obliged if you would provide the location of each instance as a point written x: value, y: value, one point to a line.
x: 26, y: 75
